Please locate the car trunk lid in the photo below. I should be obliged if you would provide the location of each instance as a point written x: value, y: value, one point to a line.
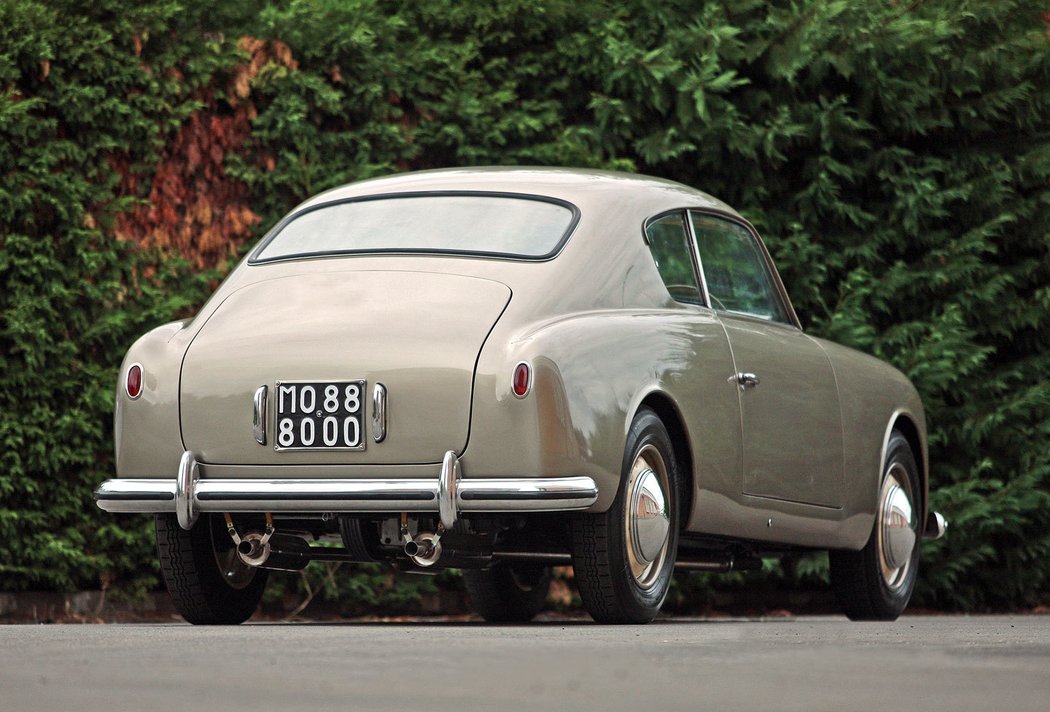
x: 416, y: 333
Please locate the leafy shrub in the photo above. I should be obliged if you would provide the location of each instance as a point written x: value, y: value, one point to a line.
x: 895, y: 156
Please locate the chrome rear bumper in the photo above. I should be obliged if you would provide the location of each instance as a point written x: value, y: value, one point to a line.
x: 936, y: 525
x: 187, y: 495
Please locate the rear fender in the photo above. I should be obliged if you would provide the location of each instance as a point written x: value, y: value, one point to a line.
x: 590, y: 374
x: 146, y: 435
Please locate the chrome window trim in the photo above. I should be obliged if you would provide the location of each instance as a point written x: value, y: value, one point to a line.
x: 698, y: 262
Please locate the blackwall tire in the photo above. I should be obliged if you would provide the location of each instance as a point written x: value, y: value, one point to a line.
x: 876, y: 583
x: 508, y: 593
x: 207, y: 583
x: 622, y: 562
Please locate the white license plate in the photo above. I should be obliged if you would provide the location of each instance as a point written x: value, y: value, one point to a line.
x: 319, y: 415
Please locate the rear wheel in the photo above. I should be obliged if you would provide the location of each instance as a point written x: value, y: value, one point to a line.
x: 507, y: 592
x: 208, y: 582
x: 876, y: 582
x: 623, y: 559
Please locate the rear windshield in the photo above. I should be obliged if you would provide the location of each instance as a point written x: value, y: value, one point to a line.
x: 477, y: 224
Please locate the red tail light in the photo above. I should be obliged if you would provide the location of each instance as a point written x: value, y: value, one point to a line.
x: 134, y: 382
x: 522, y: 380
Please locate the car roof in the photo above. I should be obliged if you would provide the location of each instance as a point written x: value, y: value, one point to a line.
x: 582, y: 187
x: 605, y: 263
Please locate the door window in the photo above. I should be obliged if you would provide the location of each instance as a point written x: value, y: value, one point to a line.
x: 669, y: 243
x: 738, y: 278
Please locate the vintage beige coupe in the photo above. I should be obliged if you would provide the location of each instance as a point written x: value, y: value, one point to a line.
x: 503, y: 370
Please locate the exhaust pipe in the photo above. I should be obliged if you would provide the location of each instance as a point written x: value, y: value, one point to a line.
x: 424, y: 550
x: 281, y: 552
x: 252, y: 551
x: 720, y: 565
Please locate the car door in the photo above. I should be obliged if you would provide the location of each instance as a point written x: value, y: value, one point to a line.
x: 789, y: 406
x: 697, y: 384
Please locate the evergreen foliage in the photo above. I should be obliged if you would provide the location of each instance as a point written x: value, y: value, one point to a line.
x: 895, y: 156
x: 75, y: 101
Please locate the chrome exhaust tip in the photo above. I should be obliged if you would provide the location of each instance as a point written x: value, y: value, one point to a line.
x: 252, y: 550
x: 424, y: 550
x: 281, y: 552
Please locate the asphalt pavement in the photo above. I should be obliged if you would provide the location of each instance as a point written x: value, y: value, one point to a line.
x: 927, y: 663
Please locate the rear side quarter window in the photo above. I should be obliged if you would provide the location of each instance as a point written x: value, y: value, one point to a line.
x: 669, y: 244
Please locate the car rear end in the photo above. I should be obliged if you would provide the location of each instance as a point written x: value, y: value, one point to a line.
x: 325, y: 391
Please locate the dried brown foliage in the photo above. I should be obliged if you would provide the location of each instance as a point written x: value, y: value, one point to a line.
x: 194, y: 207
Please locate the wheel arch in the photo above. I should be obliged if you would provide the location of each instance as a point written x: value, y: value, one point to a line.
x: 905, y: 423
x: 666, y: 409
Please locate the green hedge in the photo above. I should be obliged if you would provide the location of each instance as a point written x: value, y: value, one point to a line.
x: 895, y: 156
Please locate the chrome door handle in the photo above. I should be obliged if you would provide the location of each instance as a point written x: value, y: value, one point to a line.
x: 744, y: 380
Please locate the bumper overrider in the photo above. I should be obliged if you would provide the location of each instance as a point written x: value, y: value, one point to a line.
x: 187, y: 495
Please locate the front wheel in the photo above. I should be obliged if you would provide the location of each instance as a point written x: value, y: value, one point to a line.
x: 208, y: 582
x: 623, y: 559
x: 876, y: 583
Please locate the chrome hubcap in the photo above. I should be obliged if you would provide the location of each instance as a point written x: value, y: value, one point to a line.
x: 897, y: 528
x: 648, y: 521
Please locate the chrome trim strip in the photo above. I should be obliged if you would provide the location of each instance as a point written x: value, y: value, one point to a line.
x: 256, y: 490
x: 317, y: 495
x: 378, y: 412
x: 259, y: 415
x: 549, y: 494
x: 698, y: 263
x: 166, y: 496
